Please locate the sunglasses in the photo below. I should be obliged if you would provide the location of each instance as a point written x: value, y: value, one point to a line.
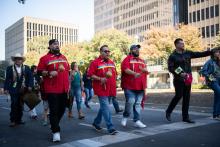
x: 106, y: 51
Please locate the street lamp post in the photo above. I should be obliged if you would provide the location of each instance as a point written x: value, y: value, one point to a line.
x: 21, y: 1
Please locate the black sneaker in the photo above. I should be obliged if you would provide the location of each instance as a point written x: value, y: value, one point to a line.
x: 216, y: 117
x: 112, y: 132
x: 20, y: 122
x: 120, y: 110
x: 168, y: 116
x: 98, y: 128
x: 188, y: 121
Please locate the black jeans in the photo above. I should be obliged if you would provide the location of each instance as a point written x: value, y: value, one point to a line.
x: 16, y: 108
x: 181, y: 90
x: 57, y: 104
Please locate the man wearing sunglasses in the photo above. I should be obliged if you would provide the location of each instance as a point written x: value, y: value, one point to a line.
x: 103, y: 73
x: 133, y: 82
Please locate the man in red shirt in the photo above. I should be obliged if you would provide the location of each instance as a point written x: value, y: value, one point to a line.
x: 102, y: 71
x: 133, y: 81
x: 54, y: 68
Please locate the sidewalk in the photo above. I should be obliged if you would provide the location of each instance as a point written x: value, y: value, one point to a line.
x: 199, y: 97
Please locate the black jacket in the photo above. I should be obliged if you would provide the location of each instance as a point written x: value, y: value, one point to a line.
x: 183, y: 60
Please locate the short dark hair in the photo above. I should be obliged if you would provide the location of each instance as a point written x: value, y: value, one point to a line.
x: 216, y: 49
x: 103, y: 47
x: 177, y: 40
x: 52, y: 41
x: 33, y: 67
x: 73, y: 64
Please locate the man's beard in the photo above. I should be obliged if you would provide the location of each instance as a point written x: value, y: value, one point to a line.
x: 135, y: 54
x: 55, y: 51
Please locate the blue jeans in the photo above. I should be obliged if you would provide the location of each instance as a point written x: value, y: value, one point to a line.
x: 77, y: 93
x: 215, y: 86
x: 114, y: 102
x: 133, y: 101
x: 89, y: 94
x: 105, y: 112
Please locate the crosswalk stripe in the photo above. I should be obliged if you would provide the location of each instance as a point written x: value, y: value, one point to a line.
x: 134, y: 134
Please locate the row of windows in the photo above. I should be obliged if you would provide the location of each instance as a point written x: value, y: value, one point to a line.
x: 107, y: 14
x: 139, y: 10
x: 99, y: 9
x: 208, y: 31
x: 140, y: 19
x: 49, y: 28
x: 132, y: 13
x: 35, y: 33
x: 209, y: 12
x: 104, y: 23
x: 195, y: 2
x: 139, y: 30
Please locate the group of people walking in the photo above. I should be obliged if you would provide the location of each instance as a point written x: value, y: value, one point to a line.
x: 61, y: 82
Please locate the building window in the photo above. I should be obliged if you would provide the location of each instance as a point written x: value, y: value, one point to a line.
x: 216, y: 10
x: 190, y: 17
x: 198, y: 1
x: 202, y: 0
x: 207, y: 13
x: 212, y: 11
x: 217, y: 29
x: 212, y: 30
x: 194, y: 2
x: 28, y: 25
x: 203, y: 32
x: 194, y: 16
x: 198, y: 15
x: 190, y: 2
x: 207, y: 31
x: 203, y: 14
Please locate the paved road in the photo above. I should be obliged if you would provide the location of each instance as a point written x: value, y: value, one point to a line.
x: 76, y: 132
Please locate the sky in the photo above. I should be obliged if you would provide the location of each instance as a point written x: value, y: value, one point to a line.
x: 78, y: 12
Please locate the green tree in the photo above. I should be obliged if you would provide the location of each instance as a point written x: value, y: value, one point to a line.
x: 117, y: 41
x: 36, y: 47
x: 38, y: 44
x: 32, y: 58
x: 78, y: 53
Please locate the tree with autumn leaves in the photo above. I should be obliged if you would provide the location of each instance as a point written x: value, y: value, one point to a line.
x: 158, y: 42
x: 217, y: 41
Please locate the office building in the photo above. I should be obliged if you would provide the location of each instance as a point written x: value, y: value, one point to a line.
x: 18, y: 34
x: 204, y: 14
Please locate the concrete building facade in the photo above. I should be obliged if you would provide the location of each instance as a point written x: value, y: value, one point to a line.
x: 132, y: 16
x: 204, y: 14
x: 18, y: 34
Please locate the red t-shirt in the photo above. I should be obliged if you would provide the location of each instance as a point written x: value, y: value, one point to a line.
x: 129, y: 81
x: 60, y: 83
x: 99, y: 67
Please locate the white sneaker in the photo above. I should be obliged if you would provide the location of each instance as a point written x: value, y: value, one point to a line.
x: 139, y: 124
x: 56, y: 137
x: 124, y: 121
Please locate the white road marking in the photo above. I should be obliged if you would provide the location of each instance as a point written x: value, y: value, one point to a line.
x: 178, y: 111
x: 6, y: 108
x: 134, y: 134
